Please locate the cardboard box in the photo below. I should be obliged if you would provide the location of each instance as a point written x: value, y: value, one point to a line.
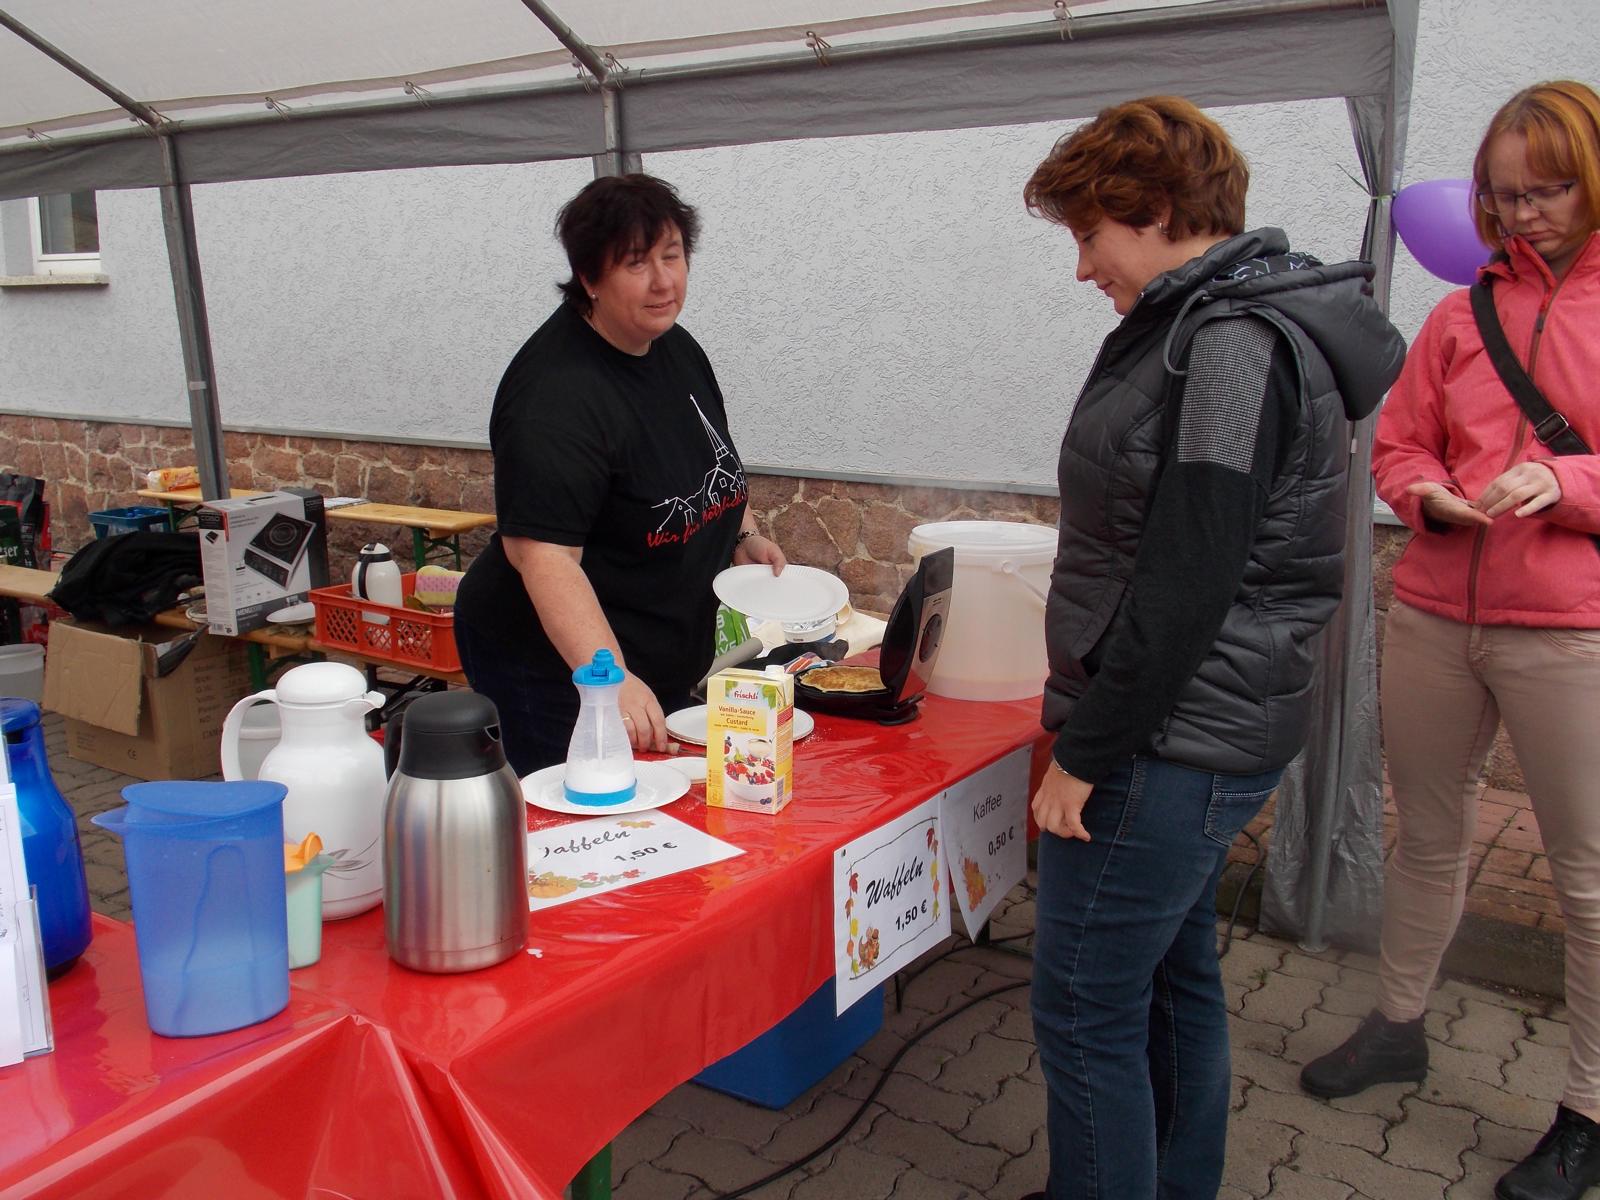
x: 750, y: 739
x: 124, y: 713
x: 259, y: 554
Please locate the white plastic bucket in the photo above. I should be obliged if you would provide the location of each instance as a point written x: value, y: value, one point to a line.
x: 993, y: 646
x: 22, y: 671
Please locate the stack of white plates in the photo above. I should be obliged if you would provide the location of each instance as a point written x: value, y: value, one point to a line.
x: 806, y: 602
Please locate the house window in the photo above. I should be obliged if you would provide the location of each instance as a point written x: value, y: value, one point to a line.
x: 66, y: 235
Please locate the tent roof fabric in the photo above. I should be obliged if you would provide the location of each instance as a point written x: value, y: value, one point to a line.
x: 320, y: 86
x: 237, y: 90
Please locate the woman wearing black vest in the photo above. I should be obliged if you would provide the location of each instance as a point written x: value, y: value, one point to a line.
x: 1202, y: 481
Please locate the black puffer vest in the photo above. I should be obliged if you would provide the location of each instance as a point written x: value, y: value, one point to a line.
x: 1246, y: 709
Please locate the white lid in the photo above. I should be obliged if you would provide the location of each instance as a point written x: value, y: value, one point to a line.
x: 1002, y: 536
x: 985, y: 539
x: 321, y: 683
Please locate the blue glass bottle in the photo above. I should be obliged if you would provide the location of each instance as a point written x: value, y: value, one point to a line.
x: 50, y: 846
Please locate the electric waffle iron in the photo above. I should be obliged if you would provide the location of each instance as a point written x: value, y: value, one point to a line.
x: 906, y: 658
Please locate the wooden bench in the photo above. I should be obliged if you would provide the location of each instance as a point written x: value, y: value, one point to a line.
x: 27, y: 584
x: 262, y: 646
x: 435, y: 532
x: 183, y: 503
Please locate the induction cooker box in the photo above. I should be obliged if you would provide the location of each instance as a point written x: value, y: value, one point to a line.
x: 259, y: 554
x: 907, y: 656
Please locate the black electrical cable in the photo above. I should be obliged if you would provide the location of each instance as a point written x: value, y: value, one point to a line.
x: 994, y: 945
x: 1015, y: 937
x: 883, y: 1078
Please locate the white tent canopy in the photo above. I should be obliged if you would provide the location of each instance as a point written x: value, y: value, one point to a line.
x: 313, y: 87
x: 171, y: 93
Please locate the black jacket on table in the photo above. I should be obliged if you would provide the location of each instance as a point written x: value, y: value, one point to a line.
x: 1203, y: 482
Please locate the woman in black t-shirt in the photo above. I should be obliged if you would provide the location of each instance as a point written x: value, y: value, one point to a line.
x: 618, y: 492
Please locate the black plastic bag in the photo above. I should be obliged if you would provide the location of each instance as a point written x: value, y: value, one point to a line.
x: 127, y: 578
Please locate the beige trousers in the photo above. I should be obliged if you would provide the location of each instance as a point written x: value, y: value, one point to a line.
x: 1446, y: 686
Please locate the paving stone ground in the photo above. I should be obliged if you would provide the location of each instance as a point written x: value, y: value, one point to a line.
x: 961, y: 1116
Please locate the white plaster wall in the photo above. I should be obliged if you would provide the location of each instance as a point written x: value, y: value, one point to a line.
x: 877, y: 305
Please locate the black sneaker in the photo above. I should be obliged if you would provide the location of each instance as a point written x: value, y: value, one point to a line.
x: 1380, y: 1051
x: 1564, y: 1164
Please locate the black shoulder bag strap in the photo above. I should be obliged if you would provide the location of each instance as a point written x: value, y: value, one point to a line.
x: 1549, y: 426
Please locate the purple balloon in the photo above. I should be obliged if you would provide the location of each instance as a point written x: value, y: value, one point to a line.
x: 1434, y: 219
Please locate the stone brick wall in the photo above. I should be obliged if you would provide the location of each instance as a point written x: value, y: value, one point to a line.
x: 855, y: 530
x: 93, y: 465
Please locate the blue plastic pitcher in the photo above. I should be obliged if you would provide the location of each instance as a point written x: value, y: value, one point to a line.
x: 205, y: 876
x: 50, y: 848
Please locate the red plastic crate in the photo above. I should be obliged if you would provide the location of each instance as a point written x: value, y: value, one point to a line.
x: 398, y: 635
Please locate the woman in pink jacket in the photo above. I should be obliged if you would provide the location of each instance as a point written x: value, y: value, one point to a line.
x: 1496, y: 614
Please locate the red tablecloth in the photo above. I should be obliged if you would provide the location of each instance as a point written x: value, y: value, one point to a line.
x: 378, y: 1081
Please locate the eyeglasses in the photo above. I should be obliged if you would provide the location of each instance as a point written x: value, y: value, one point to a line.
x: 1540, y: 199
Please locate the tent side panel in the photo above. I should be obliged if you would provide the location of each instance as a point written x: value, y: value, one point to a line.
x: 1230, y: 60
x: 127, y: 162
x: 502, y: 129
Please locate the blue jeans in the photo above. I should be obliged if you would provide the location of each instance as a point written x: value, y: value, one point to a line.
x: 1128, y: 1010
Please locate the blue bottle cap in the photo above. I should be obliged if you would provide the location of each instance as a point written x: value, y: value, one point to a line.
x: 602, y: 670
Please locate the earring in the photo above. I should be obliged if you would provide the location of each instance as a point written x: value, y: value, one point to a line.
x: 1161, y: 227
x: 593, y: 296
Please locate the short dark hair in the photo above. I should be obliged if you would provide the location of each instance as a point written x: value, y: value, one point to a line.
x: 1137, y: 158
x: 612, y: 217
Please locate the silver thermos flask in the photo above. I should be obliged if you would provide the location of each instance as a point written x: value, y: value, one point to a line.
x: 454, y: 882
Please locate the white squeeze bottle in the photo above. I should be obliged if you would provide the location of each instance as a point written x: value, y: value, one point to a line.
x: 600, y: 757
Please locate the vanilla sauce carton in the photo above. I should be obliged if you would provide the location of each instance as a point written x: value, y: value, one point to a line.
x: 750, y: 740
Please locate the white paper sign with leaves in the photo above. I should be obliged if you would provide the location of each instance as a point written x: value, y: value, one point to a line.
x: 589, y: 858
x: 985, y: 819
x: 888, y: 892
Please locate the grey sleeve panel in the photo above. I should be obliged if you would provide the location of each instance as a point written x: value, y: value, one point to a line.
x: 1223, y: 393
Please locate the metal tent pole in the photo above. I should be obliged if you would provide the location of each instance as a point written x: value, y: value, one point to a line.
x: 194, y: 328
x: 1340, y: 789
x: 614, y: 159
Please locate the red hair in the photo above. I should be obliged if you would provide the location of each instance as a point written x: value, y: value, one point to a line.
x: 1561, y: 121
x: 1138, y: 160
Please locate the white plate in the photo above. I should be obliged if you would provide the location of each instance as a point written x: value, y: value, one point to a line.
x: 295, y: 614
x: 692, y: 768
x: 800, y: 594
x: 196, y: 612
x: 689, y: 725
x: 659, y: 784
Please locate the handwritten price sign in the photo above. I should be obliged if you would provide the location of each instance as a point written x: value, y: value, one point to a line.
x: 888, y: 892
x: 588, y: 858
x: 986, y: 821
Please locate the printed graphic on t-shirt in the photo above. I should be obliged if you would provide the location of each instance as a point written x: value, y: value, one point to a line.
x: 722, y: 488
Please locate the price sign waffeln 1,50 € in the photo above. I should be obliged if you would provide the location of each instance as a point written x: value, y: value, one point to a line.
x: 888, y: 901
